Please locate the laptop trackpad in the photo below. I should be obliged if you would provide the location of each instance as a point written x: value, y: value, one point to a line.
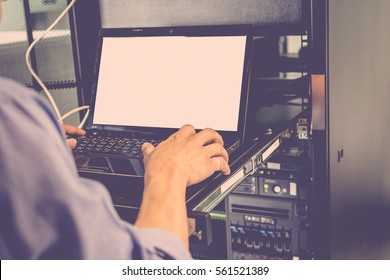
x: 130, y: 166
x: 110, y: 165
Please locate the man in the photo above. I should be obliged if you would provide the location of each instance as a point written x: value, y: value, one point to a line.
x: 48, y: 212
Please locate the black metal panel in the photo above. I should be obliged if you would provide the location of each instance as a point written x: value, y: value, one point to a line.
x: 321, y: 237
x: 321, y: 198
x: 147, y: 13
x: 30, y: 39
x: 317, y: 36
x: 86, y: 17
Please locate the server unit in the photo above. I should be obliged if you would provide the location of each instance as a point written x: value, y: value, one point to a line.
x: 268, y: 215
x: 265, y: 228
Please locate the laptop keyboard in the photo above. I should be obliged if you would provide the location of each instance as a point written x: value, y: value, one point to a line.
x: 129, y: 147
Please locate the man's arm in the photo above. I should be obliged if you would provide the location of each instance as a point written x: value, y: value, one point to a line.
x: 184, y: 159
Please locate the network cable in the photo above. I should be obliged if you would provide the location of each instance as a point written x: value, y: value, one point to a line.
x: 39, y: 81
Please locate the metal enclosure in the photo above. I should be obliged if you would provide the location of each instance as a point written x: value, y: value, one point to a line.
x: 358, y: 91
x: 349, y: 42
x: 148, y: 13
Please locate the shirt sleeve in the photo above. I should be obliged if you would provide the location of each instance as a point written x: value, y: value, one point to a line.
x: 46, y: 210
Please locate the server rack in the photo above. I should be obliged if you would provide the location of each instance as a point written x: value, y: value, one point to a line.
x: 350, y: 196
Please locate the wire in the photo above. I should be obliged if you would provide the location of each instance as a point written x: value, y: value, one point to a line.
x: 39, y: 81
x: 71, y: 112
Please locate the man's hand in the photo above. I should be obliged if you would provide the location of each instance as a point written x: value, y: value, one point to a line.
x: 72, y: 130
x: 193, y: 157
x: 184, y: 159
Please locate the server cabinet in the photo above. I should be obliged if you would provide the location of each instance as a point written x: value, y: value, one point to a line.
x: 348, y: 70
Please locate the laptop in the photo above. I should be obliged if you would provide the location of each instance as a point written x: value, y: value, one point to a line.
x: 151, y: 81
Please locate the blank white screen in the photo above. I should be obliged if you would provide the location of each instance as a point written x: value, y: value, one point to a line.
x: 170, y: 81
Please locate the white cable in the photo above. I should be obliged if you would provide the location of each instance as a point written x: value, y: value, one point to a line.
x: 36, y: 77
x: 71, y: 112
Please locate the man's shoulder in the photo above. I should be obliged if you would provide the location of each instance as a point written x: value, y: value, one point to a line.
x: 10, y: 87
x: 7, y: 82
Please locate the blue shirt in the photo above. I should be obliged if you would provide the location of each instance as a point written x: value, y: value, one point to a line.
x: 46, y: 210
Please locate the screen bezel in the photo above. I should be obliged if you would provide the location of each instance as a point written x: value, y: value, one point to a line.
x: 231, y: 30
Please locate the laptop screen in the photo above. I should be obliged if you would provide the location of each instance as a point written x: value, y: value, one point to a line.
x: 169, y: 81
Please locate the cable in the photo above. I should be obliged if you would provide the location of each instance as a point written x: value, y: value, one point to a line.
x: 71, y: 112
x: 36, y: 77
